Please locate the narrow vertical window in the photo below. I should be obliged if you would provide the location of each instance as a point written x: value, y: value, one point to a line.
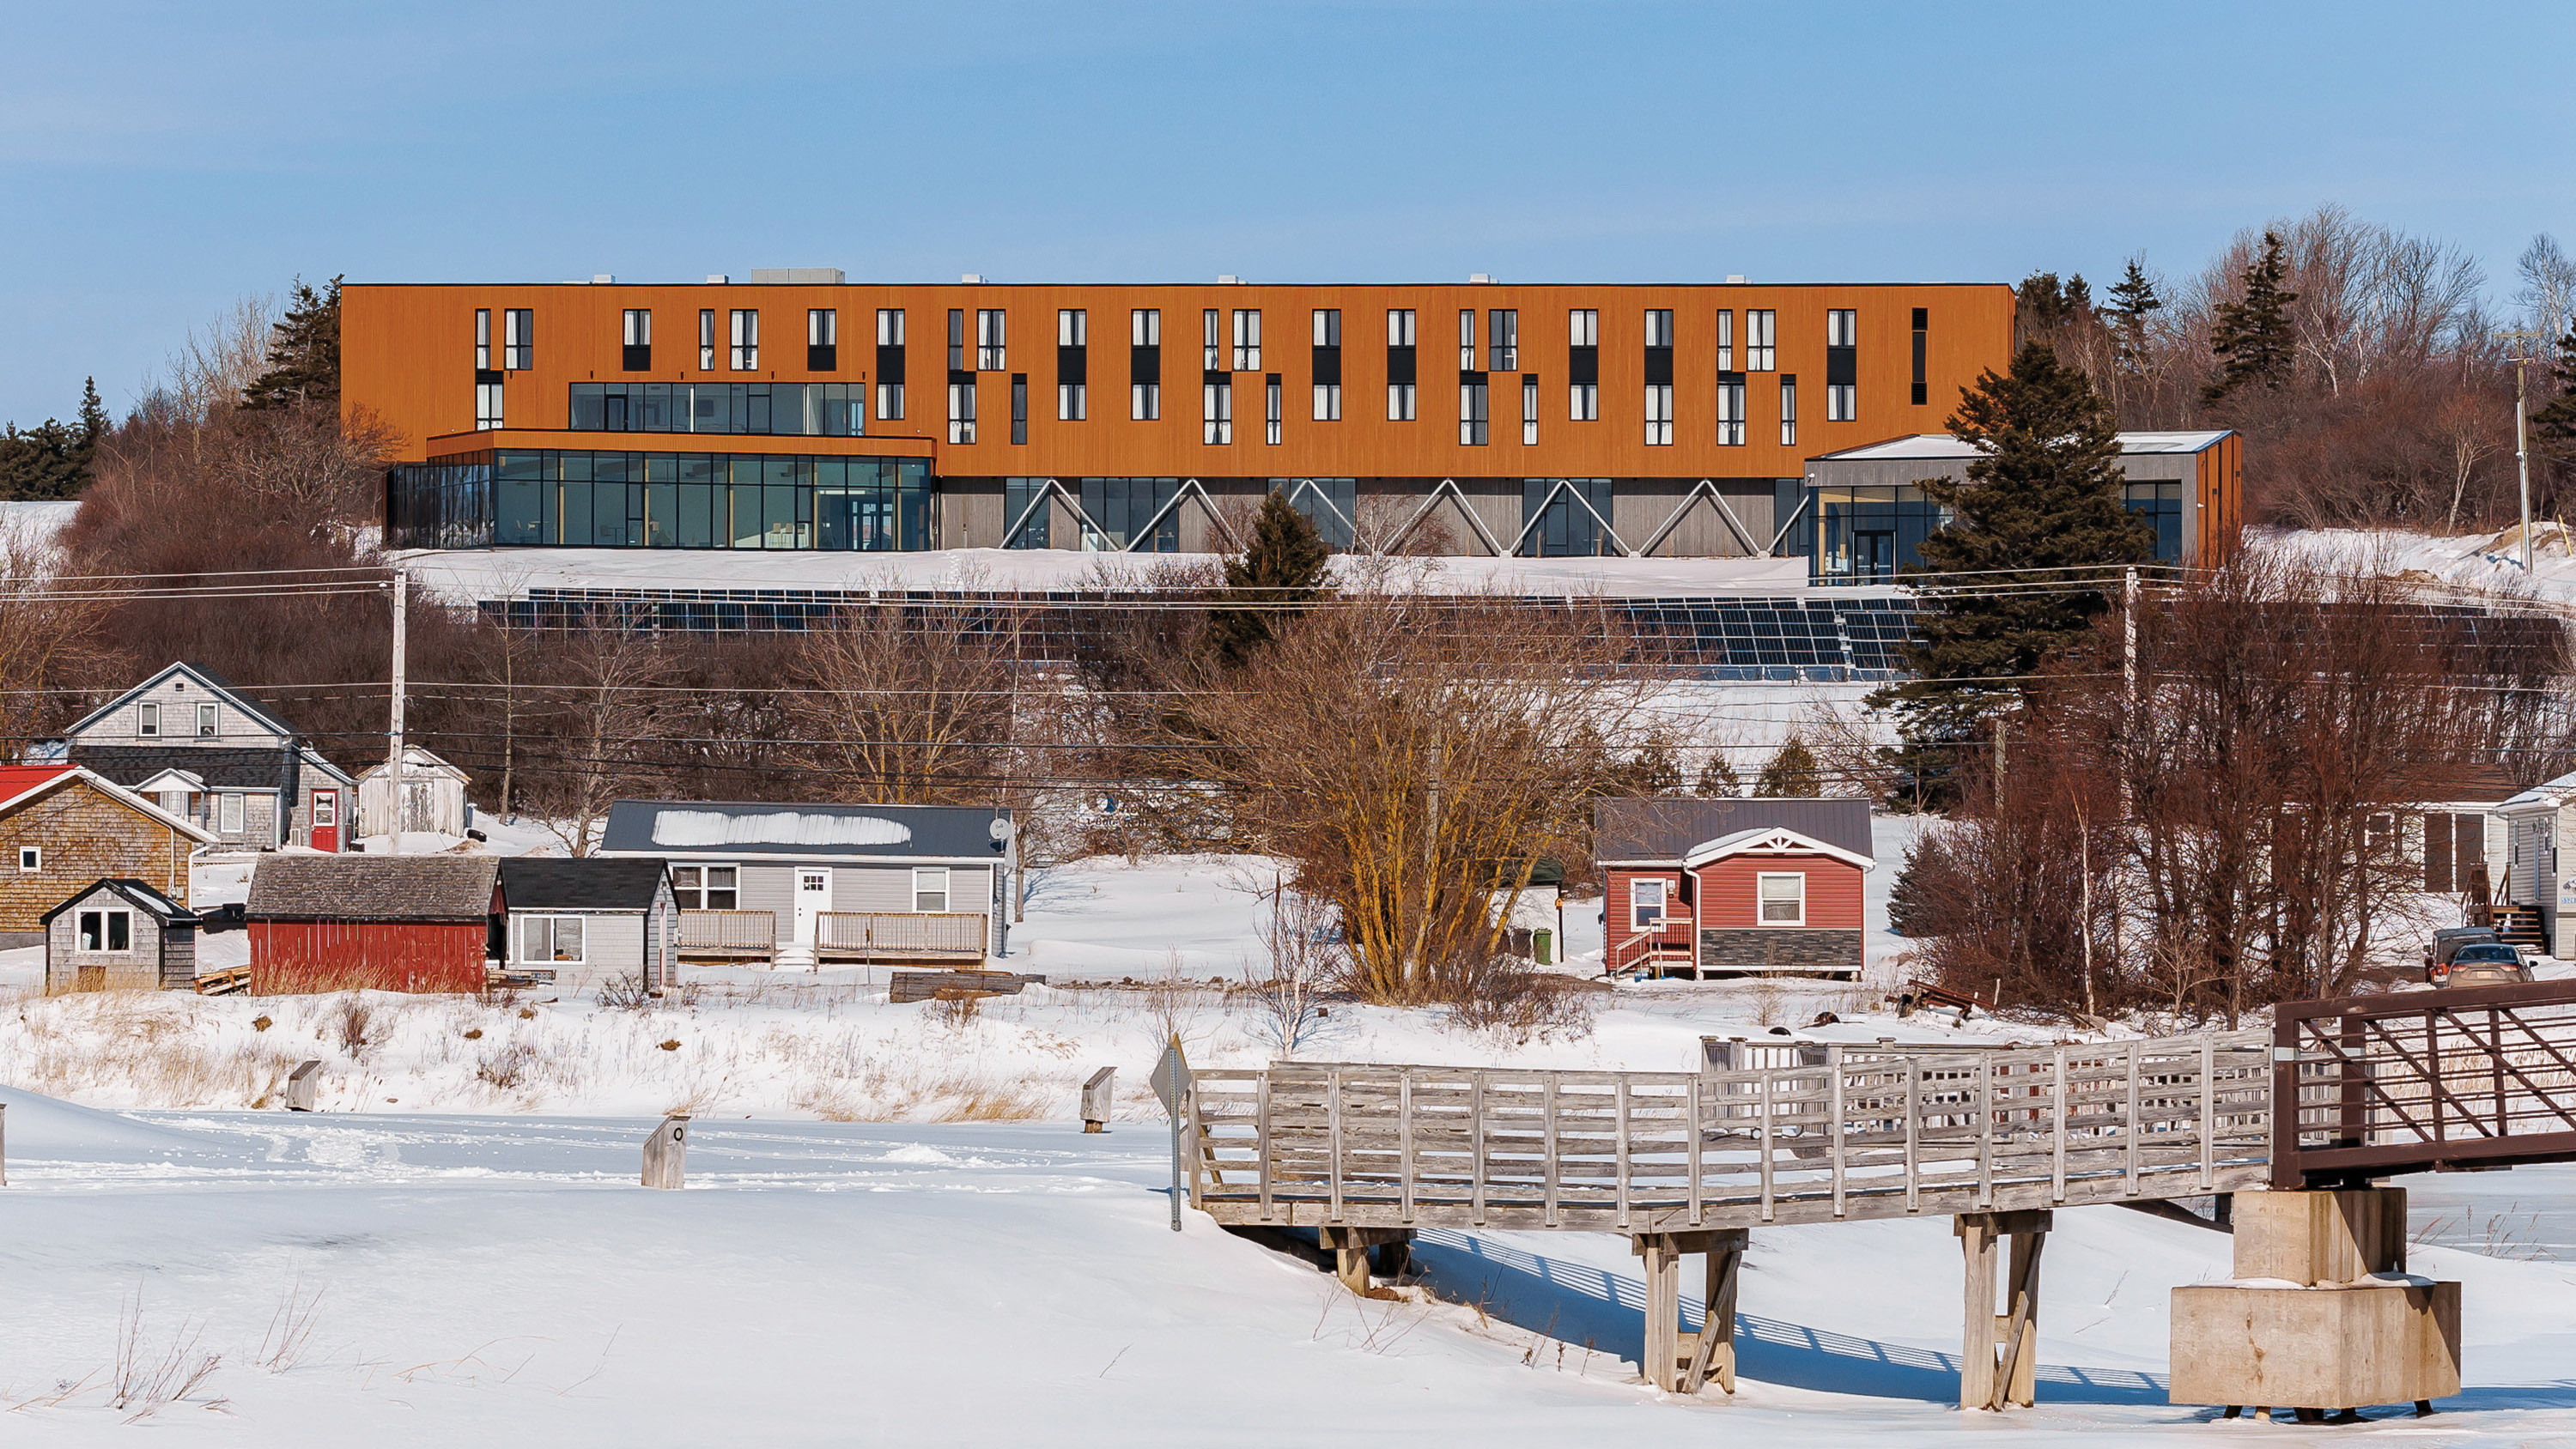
x: 961, y: 411
x: 746, y: 340
x: 706, y: 339
x: 1211, y: 344
x: 1270, y: 405
x: 1760, y: 329
x: 1328, y: 364
x: 1467, y: 339
x: 1247, y: 340
x: 1503, y: 340
x: 639, y: 340
x: 1730, y: 413
x: 1529, y: 411
x: 1922, y: 326
x: 1725, y: 341
x: 1072, y: 364
x: 990, y: 352
x: 1218, y: 411
x: 1659, y: 415
x: 1399, y: 365
x: 1842, y: 381
x: 482, y: 339
x: 1019, y: 409
x: 1473, y: 414
x: 1583, y: 365
x: 1788, y: 409
x: 487, y: 406
x: 1659, y: 377
x: 1145, y: 364
x: 890, y: 363
x: 956, y: 340
x: 518, y: 339
x: 822, y: 339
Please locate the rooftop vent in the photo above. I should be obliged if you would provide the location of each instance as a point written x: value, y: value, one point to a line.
x: 603, y: 279
x: 1474, y: 278
x: 1228, y: 279
x: 796, y: 276
x: 717, y: 279
x: 970, y: 278
x: 1735, y: 277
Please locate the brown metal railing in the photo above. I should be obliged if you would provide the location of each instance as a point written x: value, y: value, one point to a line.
x: 899, y: 936
x: 749, y: 933
x: 2465, y: 1077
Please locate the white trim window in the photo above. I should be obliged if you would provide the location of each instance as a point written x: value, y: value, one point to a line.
x: 106, y: 932
x: 518, y: 338
x: 147, y: 721
x: 706, y: 887
x: 930, y: 888
x: 1467, y: 339
x: 746, y: 340
x: 1647, y: 900
x: 1529, y: 411
x: 487, y: 406
x: 1788, y: 409
x: 1328, y: 402
x: 1730, y: 414
x: 228, y: 814
x: 991, y: 326
x: 552, y: 940
x: 1217, y: 412
x: 961, y: 412
x: 1399, y: 402
x: 706, y: 339
x: 1659, y: 414
x: 205, y: 721
x: 1725, y: 341
x: 1271, y: 404
x: 482, y: 339
x: 1760, y: 329
x: 31, y: 858
x: 1247, y: 340
x: 1781, y: 897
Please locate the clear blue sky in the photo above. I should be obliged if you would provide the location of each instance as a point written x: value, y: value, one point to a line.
x: 159, y: 160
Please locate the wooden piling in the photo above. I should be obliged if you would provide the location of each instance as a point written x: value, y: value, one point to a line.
x: 1672, y: 1360
x: 666, y: 1153
x: 1987, y: 1381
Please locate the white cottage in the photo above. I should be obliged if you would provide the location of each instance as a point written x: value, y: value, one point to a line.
x: 805, y: 885
x: 2535, y: 827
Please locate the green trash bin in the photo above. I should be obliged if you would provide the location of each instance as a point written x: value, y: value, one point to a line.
x: 1540, y: 943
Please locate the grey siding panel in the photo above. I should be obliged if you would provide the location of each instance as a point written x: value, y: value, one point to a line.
x: 772, y: 888
x: 233, y: 729
x: 179, y: 959
x: 259, y: 820
x: 872, y: 888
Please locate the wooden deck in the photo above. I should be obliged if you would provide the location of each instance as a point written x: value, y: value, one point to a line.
x: 1865, y: 1133
x: 924, y: 936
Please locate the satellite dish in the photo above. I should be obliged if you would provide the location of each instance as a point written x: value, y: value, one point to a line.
x: 1000, y: 830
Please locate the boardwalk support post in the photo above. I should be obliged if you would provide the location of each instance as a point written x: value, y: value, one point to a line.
x: 1350, y: 1250
x: 1985, y: 1381
x: 1678, y: 1362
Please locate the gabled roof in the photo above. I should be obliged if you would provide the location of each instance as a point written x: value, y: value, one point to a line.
x: 170, y: 779
x: 1661, y: 831
x: 20, y: 784
x: 1768, y: 840
x: 207, y: 679
x: 626, y: 883
x: 139, y: 894
x: 444, y: 888
x: 419, y: 763
x: 695, y: 828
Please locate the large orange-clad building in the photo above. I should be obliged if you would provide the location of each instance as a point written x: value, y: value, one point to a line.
x: 798, y: 411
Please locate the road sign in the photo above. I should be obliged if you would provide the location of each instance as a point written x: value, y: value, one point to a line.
x: 1172, y: 1080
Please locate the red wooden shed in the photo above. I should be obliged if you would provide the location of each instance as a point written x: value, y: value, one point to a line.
x: 1734, y: 887
x: 372, y: 923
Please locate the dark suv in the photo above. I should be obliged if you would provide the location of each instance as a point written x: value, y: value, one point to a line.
x: 2481, y: 963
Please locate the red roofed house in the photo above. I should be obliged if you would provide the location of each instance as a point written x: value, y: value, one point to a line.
x: 63, y: 827
x: 1733, y: 887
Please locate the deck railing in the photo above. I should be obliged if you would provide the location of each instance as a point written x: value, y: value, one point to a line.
x: 729, y: 932
x: 900, y: 936
x: 1859, y: 1134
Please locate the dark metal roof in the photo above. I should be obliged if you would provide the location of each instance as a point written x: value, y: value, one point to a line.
x: 626, y: 883
x: 372, y: 887
x: 719, y: 827
x: 1666, y: 829
x: 222, y: 768
x: 138, y: 893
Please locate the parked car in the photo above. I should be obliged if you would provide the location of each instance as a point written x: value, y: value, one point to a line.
x: 2482, y: 963
x: 2447, y: 941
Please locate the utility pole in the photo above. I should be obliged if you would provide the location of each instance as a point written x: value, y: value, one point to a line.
x: 394, y: 761
x: 2521, y: 440
x: 2129, y: 638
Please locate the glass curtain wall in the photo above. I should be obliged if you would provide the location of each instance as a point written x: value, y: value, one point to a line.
x: 1868, y: 535
x: 1565, y: 528
x: 1123, y: 506
x: 784, y: 409
x: 562, y: 498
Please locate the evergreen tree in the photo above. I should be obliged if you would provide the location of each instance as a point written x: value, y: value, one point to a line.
x: 1652, y: 772
x: 52, y: 460
x: 2132, y: 298
x: 2253, y: 332
x: 2556, y: 422
x: 2042, y: 304
x: 1792, y: 773
x: 1718, y: 779
x: 1284, y: 564
x: 2041, y: 504
x: 303, y: 353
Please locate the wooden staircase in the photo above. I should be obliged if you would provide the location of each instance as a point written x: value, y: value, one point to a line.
x: 2521, y: 927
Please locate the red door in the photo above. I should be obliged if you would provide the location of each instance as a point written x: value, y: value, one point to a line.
x: 326, y: 820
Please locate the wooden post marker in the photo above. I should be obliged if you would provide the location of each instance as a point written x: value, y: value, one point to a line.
x: 1675, y: 1361
x: 301, y: 1084
x: 1095, y: 1099
x: 666, y: 1153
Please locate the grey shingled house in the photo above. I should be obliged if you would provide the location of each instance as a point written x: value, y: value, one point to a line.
x: 576, y: 923
x: 120, y: 934
x: 190, y: 743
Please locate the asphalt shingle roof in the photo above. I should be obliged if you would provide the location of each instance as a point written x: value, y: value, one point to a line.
x: 596, y: 884
x: 372, y: 887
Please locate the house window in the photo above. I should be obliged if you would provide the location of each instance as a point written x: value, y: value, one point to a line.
x: 487, y: 406
x: 1019, y: 409
x: 1583, y: 365
x: 1145, y: 401
x: 822, y: 339
x: 518, y: 339
x: 1466, y: 339
x: 147, y: 720
x: 956, y: 339
x: 1270, y: 402
x: 1209, y: 346
x: 31, y: 858
x: 706, y: 887
x: 930, y: 888
x: 638, y: 354
x: 1730, y: 414
x: 1529, y: 411
x: 890, y: 401
x: 1072, y: 365
x: 1072, y: 327
x: 1399, y: 402
x: 1842, y: 391
x: 1842, y: 402
x: 1399, y: 365
x: 107, y: 931
x: 746, y: 340
x: 1473, y: 409
x: 1247, y: 340
x: 1659, y: 415
x: 1503, y: 341
x: 1726, y: 342
x: 1760, y: 329
x: 228, y: 815
x: 326, y: 804
x: 551, y: 939
x: 706, y: 339
x: 1659, y: 327
x: 1842, y: 326
x: 1784, y: 899
x: 1399, y: 327
x: 1646, y: 905
x: 990, y: 323
x: 1145, y: 364
x: 1328, y: 327
x: 1328, y: 402
x: 482, y: 339
x: 1218, y: 409
x: 205, y: 721
x: 961, y: 412
x: 1328, y: 364
x: 1788, y: 409
x: 1072, y: 404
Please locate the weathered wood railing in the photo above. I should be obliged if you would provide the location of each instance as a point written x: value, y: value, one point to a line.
x: 900, y: 936
x: 750, y: 933
x: 2467, y: 1077
x: 1864, y: 1133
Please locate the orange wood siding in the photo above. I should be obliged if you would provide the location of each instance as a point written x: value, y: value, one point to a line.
x: 408, y: 356
x: 1728, y: 892
x: 2221, y: 483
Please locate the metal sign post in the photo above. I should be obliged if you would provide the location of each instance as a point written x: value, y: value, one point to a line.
x: 1172, y: 1078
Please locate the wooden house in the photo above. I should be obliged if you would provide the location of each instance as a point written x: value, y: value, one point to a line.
x: 1734, y: 887
x: 806, y: 885
x: 373, y: 922
x: 120, y: 935
x: 576, y: 923
x: 206, y: 754
x: 63, y: 826
x: 433, y: 796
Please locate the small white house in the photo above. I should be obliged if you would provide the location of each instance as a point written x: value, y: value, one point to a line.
x: 433, y: 796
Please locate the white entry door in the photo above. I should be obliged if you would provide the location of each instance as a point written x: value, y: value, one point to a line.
x: 813, y: 898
